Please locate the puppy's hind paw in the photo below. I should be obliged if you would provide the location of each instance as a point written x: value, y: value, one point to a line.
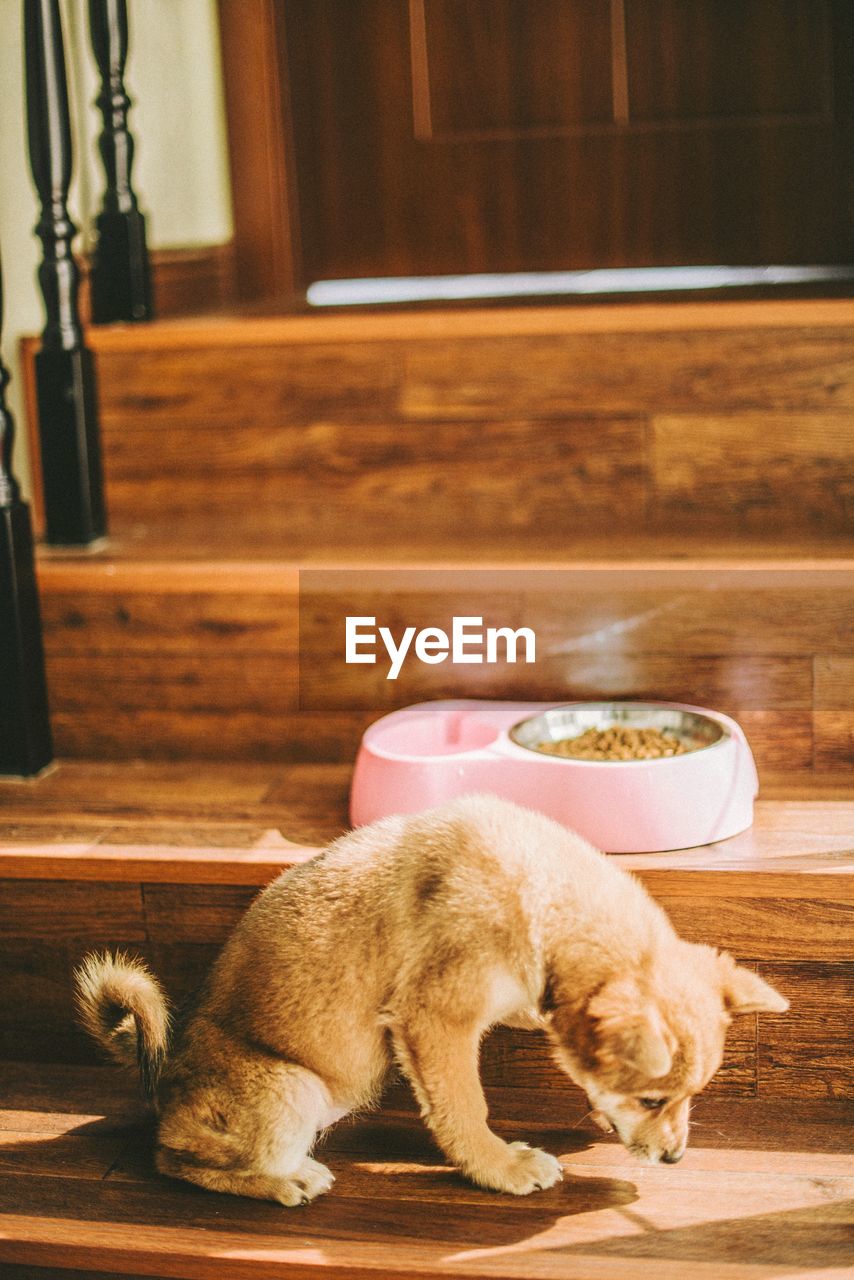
x: 526, y: 1169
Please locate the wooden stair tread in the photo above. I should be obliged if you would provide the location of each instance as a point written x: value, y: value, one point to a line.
x: 762, y: 1189
x: 242, y: 327
x: 151, y: 552
x: 209, y: 824
x: 781, y: 856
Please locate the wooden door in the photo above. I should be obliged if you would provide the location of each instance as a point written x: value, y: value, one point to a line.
x: 445, y: 136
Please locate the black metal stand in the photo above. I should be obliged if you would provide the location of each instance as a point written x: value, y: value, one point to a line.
x: 25, y: 740
x: 121, y: 277
x: 65, y: 383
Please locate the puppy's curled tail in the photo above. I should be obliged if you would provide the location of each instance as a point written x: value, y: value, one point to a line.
x: 121, y: 1004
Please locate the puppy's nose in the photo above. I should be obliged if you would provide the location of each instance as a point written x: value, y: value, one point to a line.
x: 672, y: 1157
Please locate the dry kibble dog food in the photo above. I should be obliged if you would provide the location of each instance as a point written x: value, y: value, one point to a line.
x: 620, y: 742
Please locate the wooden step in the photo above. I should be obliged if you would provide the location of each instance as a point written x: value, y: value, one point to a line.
x: 162, y: 860
x: 642, y: 449
x: 176, y: 657
x: 762, y: 1191
x: 505, y: 427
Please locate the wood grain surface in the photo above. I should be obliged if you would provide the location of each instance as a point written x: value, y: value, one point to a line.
x: 811, y: 1052
x: 834, y: 709
x: 713, y: 436
x: 662, y: 373
x: 504, y: 426
x: 761, y: 1189
x: 272, y: 327
x: 742, y: 462
x: 173, y: 658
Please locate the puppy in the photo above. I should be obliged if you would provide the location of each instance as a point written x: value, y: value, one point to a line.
x: 403, y: 942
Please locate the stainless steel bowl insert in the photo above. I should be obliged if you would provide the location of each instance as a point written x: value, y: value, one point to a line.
x: 696, y: 731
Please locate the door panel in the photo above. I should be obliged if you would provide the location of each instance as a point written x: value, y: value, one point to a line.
x: 754, y: 59
x: 448, y: 136
x: 479, y: 69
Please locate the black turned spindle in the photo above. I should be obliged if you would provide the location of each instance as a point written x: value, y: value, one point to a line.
x: 25, y: 742
x: 65, y: 373
x: 121, y: 278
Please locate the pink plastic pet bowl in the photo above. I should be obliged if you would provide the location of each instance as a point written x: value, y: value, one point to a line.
x: 425, y: 754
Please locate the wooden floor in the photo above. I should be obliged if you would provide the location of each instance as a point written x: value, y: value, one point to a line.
x: 764, y: 1191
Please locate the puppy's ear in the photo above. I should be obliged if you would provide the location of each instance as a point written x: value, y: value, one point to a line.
x: 628, y: 1029
x: 745, y: 992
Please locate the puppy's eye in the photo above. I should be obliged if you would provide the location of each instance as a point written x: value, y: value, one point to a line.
x: 652, y: 1104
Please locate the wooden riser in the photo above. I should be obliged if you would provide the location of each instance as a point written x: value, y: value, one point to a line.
x: 499, y: 428
x: 178, y: 658
x: 763, y: 1190
x: 179, y: 929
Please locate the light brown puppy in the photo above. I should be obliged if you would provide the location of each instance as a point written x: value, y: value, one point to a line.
x: 404, y: 942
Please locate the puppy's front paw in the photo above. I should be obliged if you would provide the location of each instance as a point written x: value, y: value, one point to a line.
x: 309, y: 1181
x: 526, y: 1169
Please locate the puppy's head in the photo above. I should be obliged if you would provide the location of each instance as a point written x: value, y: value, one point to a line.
x: 645, y: 1043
